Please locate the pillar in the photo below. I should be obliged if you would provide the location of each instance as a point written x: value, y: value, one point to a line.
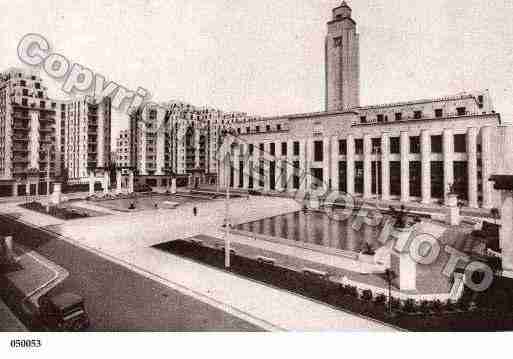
x: 350, y: 165
x: 367, y: 167
x: 131, y: 182
x: 425, y: 153
x: 309, y: 160
x: 290, y: 167
x: 405, y: 167
x: 173, y: 185
x: 118, y: 182
x: 448, y: 152
x: 506, y: 232
x: 27, y: 188
x: 326, y: 167
x: 385, y: 166
x: 91, y: 183
x: 303, y: 166
x: 105, y: 183
x: 15, y: 189
x: 472, y: 167
x: 267, y: 167
x: 236, y: 167
x: 334, y: 164
x: 487, y: 166
x: 56, y: 195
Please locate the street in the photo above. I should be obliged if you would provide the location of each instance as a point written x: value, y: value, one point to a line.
x: 118, y: 299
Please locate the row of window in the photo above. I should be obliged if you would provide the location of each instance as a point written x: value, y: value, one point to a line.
x: 417, y: 115
x: 460, y: 145
x: 268, y: 128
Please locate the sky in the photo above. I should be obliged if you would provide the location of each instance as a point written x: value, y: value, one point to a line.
x: 266, y: 57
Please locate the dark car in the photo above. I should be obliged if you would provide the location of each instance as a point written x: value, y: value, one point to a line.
x: 63, y: 312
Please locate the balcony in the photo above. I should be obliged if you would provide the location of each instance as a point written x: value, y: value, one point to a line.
x: 46, y: 129
x: 20, y: 159
x: 20, y: 149
x: 20, y: 139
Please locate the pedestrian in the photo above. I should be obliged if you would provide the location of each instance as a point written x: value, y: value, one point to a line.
x: 195, y: 211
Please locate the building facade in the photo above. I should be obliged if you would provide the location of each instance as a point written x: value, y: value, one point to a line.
x: 85, y: 137
x: 411, y: 151
x: 122, y: 153
x: 30, y: 126
x: 178, y: 138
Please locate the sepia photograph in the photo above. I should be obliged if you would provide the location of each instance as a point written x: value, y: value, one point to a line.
x: 250, y: 167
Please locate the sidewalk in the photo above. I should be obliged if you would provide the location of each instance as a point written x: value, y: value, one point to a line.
x: 8, y: 321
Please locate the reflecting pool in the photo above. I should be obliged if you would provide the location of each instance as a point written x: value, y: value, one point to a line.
x: 316, y: 228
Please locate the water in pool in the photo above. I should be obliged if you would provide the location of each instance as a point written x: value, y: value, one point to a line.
x: 315, y: 228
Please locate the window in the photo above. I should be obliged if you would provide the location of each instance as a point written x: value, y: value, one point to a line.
x: 363, y: 119
x: 399, y: 116
x: 37, y: 85
x: 417, y: 115
x: 436, y: 144
x: 462, y: 111
x: 268, y: 128
x: 278, y: 127
x: 380, y: 118
x: 358, y: 144
x: 376, y: 145
x: 395, y: 145
x: 273, y: 149
x: 439, y: 113
x: 337, y: 41
x: 42, y: 104
x: 342, y: 147
x: 23, y: 83
x: 295, y: 149
x: 251, y: 149
x: 257, y: 129
x: 415, y: 144
x: 318, y: 151
x: 284, y: 148
x: 460, y: 143
x: 261, y: 147
x: 248, y: 129
x: 239, y: 131
x: 25, y: 92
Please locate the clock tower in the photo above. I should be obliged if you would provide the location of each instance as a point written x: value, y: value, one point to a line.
x: 342, y: 61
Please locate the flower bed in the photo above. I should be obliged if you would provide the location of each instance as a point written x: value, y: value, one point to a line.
x: 55, y: 211
x: 408, y: 314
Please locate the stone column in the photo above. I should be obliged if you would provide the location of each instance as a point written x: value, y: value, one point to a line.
x: 326, y: 164
x: 105, y: 182
x: 425, y: 146
x: 472, y: 166
x: 279, y: 174
x: 27, y: 188
x: 487, y: 166
x: 246, y: 170
x: 350, y: 165
x: 367, y: 166
x: 118, y: 182
x: 385, y: 166
x: 506, y: 232
x: 448, y: 152
x: 267, y: 167
x: 309, y: 160
x: 15, y: 189
x: 334, y: 164
x: 131, y: 182
x: 303, y: 166
x: 236, y: 167
x: 173, y: 186
x: 57, y: 191
x: 91, y: 183
x: 405, y: 167
x: 290, y: 167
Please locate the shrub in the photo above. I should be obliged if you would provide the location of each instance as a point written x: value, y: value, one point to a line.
x: 449, y: 306
x: 351, y: 291
x: 424, y: 306
x: 380, y: 299
x: 395, y: 303
x: 409, y: 306
x: 367, y: 295
x: 437, y: 305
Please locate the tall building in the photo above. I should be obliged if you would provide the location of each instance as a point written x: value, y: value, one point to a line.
x: 85, y: 137
x: 29, y: 133
x: 122, y: 153
x: 342, y: 61
x: 414, y: 151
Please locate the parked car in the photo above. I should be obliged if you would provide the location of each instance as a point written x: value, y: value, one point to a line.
x: 63, y: 312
